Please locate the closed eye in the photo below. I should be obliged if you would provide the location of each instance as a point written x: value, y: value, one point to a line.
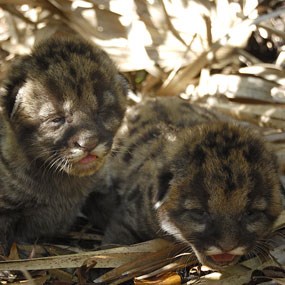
x: 198, y: 214
x: 58, y: 120
x: 253, y: 215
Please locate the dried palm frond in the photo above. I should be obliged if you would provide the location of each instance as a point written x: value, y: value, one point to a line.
x: 155, y: 261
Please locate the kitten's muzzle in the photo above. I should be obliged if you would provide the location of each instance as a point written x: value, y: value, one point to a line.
x: 83, y: 163
x: 218, y: 258
x: 86, y: 154
x: 219, y: 261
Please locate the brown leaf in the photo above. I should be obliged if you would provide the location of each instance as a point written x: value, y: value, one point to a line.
x: 165, y: 279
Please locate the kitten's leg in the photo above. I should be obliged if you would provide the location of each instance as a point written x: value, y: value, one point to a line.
x: 122, y: 229
x: 7, y: 231
x: 99, y: 208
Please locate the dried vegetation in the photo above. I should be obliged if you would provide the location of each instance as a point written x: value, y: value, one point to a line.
x: 228, y: 55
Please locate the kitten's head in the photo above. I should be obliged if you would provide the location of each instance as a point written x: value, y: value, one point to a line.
x: 221, y: 194
x: 64, y: 104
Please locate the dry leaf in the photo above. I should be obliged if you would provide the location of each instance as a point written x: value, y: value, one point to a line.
x: 166, y: 279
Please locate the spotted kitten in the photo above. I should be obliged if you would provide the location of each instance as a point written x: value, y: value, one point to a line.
x: 60, y: 108
x: 181, y: 173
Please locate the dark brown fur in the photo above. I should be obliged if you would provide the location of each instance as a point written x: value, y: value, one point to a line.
x: 60, y: 109
x: 179, y: 172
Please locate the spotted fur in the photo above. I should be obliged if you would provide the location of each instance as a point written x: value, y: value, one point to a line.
x: 180, y: 172
x: 60, y: 108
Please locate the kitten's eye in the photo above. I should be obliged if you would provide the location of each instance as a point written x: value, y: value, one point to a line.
x: 58, y: 120
x: 198, y: 214
x: 252, y: 215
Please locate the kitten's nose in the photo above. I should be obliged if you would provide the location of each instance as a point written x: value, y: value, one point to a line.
x: 86, y: 141
x: 227, y: 245
x: 87, y: 145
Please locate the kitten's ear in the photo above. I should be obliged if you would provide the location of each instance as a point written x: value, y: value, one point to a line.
x: 16, y: 77
x: 163, y: 184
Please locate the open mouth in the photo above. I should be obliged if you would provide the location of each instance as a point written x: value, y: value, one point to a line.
x: 90, y: 158
x: 223, y: 259
x: 86, y: 166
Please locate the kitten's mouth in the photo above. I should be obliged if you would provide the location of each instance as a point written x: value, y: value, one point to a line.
x: 90, y: 158
x: 222, y: 260
x: 85, y: 166
x: 223, y: 257
x: 85, y: 163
